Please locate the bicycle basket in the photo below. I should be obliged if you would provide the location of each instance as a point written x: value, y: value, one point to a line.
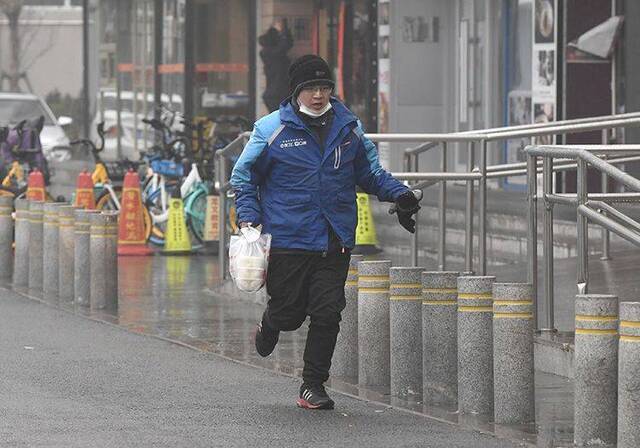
x: 167, y: 168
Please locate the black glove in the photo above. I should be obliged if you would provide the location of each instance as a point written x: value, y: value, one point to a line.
x: 407, y: 205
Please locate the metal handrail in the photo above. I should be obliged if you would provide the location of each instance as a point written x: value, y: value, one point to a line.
x: 616, y: 221
x: 470, y: 137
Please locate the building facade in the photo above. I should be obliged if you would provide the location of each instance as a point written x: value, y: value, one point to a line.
x: 403, y: 66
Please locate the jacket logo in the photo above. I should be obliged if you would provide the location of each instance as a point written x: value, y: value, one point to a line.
x: 292, y: 143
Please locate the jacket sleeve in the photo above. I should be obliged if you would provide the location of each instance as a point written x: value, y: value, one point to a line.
x: 370, y: 176
x: 246, y: 178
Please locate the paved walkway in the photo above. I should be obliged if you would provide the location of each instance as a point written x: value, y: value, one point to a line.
x: 67, y: 381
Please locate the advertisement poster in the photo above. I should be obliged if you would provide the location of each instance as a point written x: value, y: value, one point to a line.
x: 543, y: 64
x: 384, y: 79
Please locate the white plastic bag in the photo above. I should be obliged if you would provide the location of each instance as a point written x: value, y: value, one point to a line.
x: 248, y: 259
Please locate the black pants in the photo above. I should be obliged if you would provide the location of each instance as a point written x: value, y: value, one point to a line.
x: 302, y: 285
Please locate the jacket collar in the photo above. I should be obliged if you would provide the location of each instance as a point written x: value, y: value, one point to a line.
x: 343, y: 117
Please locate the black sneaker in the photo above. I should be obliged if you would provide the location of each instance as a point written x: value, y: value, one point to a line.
x: 266, y: 340
x: 313, y: 396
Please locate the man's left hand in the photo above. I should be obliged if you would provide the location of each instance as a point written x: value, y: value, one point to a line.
x: 407, y: 205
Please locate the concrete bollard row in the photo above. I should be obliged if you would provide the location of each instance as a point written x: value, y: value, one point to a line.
x: 6, y: 237
x: 405, y: 320
x: 345, y: 356
x: 81, y: 269
x: 440, y: 337
x: 628, y: 378
x: 36, y: 209
x: 513, y: 368
x: 475, y: 344
x: 596, y: 369
x: 373, y: 323
x: 50, y: 248
x: 66, y: 242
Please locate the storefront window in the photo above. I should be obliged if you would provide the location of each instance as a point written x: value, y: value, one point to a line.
x: 338, y: 30
x: 221, y: 50
x: 172, y: 68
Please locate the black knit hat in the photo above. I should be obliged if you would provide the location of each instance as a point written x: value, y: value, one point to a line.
x: 309, y: 70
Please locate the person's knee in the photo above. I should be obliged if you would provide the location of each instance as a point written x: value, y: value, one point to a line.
x: 286, y: 323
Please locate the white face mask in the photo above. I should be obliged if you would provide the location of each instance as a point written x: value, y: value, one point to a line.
x: 312, y: 113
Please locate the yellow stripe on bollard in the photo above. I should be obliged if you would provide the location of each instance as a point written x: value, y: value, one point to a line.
x: 406, y: 285
x: 405, y: 298
x: 629, y: 324
x: 476, y: 296
x: 439, y: 302
x: 585, y: 318
x: 594, y: 331
x: 373, y: 277
x: 373, y: 290
x: 512, y: 302
x: 440, y: 290
x: 628, y: 338
x: 513, y: 315
x: 475, y: 309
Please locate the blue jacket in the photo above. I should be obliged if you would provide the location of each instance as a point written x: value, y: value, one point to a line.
x: 286, y: 182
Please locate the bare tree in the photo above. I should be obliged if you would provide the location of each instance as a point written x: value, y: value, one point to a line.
x: 21, y: 39
x: 12, y: 10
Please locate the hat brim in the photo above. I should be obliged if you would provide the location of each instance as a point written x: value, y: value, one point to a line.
x: 312, y: 82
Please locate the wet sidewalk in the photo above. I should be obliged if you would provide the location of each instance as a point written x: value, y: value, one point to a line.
x: 174, y: 297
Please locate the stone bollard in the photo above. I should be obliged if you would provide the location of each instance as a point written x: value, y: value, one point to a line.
x: 440, y: 337
x: 97, y: 246
x: 405, y: 329
x: 596, y: 370
x: 345, y: 356
x: 6, y: 237
x: 50, y: 250
x: 373, y: 323
x: 111, y: 259
x: 628, y: 378
x: 21, y: 261
x: 475, y: 345
x: 513, y: 379
x: 35, y: 245
x: 66, y: 243
x: 81, y: 263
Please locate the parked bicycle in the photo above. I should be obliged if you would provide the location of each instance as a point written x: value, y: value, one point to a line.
x: 20, y: 153
x: 107, y: 195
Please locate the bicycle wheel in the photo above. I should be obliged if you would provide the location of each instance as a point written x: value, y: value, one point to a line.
x: 196, y: 210
x: 106, y: 202
x: 159, y: 214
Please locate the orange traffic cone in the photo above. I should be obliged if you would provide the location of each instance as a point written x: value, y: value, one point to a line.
x: 131, y: 237
x: 84, y: 192
x: 35, y: 186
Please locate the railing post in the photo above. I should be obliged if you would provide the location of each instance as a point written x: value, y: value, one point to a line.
x: 468, y: 233
x: 482, y: 227
x: 547, y: 241
x: 414, y: 235
x: 605, y: 189
x: 582, y: 281
x: 442, y: 205
x: 532, y: 230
